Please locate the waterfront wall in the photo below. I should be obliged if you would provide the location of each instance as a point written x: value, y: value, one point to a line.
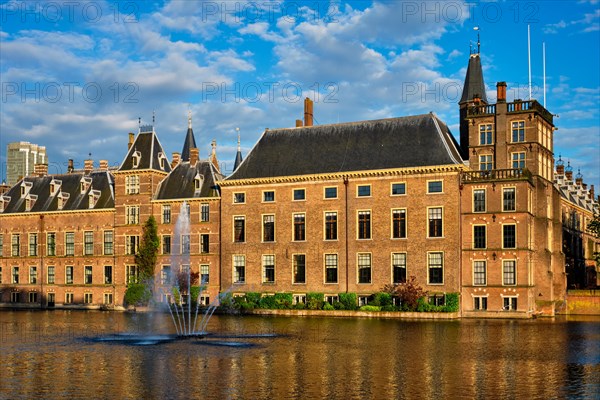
x: 583, y: 302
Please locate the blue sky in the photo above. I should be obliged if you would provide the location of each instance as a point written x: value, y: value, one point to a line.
x: 77, y: 75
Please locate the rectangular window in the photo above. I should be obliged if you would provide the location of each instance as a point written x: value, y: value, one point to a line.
x: 435, y: 222
x: 51, y: 244
x: 509, y: 272
x: 363, y: 190
x: 364, y: 224
x: 204, y: 212
x: 51, y: 275
x: 268, y: 268
x: 165, y: 274
x: 108, y: 275
x: 88, y: 241
x: 518, y: 160
x: 108, y: 298
x: 108, y: 243
x: 269, y: 196
x: 479, y: 237
x: 166, y: 244
x: 299, y: 261
x: 69, y: 298
x: 132, y: 215
x: 33, y: 297
x: 15, y: 245
x: 132, y: 184
x: 33, y: 244
x: 131, y: 244
x: 331, y: 192
x: 299, y: 227
x: 435, y: 187
x: 485, y: 134
x: 299, y: 194
x: 479, y: 273
x: 364, y: 268
x: 69, y: 275
x: 15, y: 275
x: 399, y: 224
x: 239, y: 229
x: 398, y: 189
x: 330, y: 226
x: 69, y: 243
x: 166, y: 214
x: 508, y: 199
x: 239, y: 269
x: 87, y: 298
x: 32, y: 275
x: 204, y: 274
x: 268, y: 228
x: 239, y: 197
x: 510, y: 303
x: 518, y: 131
x: 131, y: 273
x: 185, y: 244
x: 436, y: 268
x: 88, y: 275
x: 509, y: 236
x: 398, y: 267
x: 479, y: 200
x: 204, y: 243
x: 480, y: 303
x: 331, y: 268
x: 486, y: 162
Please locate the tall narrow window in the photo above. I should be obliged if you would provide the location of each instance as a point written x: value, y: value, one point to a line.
x: 479, y: 237
x: 108, y: 243
x: 479, y: 200
x: 518, y: 131
x: 299, y: 227
x: 331, y: 268
x: 131, y: 244
x: 364, y: 268
x: 185, y: 244
x: 33, y: 244
x: 364, y: 224
x: 508, y: 199
x: 166, y: 214
x: 165, y: 274
x: 166, y: 244
x: 239, y: 269
x: 69, y: 275
x: 509, y: 272
x: 69, y: 243
x: 399, y: 224
x: 436, y: 267
x: 486, y: 162
x: 32, y: 275
x: 51, y: 275
x: 485, y: 134
x: 131, y: 273
x: 88, y: 275
x: 268, y: 268
x: 330, y: 226
x: 204, y: 274
x: 509, y: 236
x: 268, y: 228
x: 398, y: 267
x: 133, y: 215
x: 51, y: 244
x: 518, y: 160
x: 435, y: 222
x: 479, y: 273
x: 239, y: 229
x: 108, y: 275
x: 204, y: 243
x: 132, y: 184
x: 299, y: 263
x: 204, y: 212
x: 15, y: 275
x: 88, y: 243
x: 15, y: 245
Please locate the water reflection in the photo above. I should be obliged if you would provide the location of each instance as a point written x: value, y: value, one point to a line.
x: 49, y: 354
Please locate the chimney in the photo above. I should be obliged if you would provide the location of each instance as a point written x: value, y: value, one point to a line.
x: 70, y: 166
x: 592, y: 192
x: 308, y: 112
x: 501, y: 92
x: 104, y: 165
x: 213, y: 155
x: 175, y: 159
x: 579, y: 180
x: 560, y: 168
x: 131, y: 139
x: 88, y: 166
x: 299, y: 123
x: 569, y: 174
x: 193, y: 156
x: 40, y: 169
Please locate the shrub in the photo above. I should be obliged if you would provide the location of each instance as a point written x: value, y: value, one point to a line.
x: 452, y: 302
x: 338, y: 305
x: 137, y: 294
x: 314, y: 301
x: 253, y: 298
x: 299, y: 306
x: 267, y: 302
x: 284, y: 301
x: 226, y: 301
x: 381, y: 299
x: 348, y: 300
x: 370, y: 308
x: 389, y: 307
x: 328, y: 307
x: 408, y: 293
x: 195, y: 292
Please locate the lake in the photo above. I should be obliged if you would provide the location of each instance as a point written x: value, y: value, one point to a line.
x: 56, y: 354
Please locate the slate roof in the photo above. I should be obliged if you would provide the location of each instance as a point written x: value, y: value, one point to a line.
x: 414, y: 141
x: 149, y: 147
x: 179, y: 184
x: 474, y: 83
x: 189, y: 143
x: 101, y: 181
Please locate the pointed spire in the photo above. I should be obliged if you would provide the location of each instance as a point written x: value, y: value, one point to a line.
x: 238, y: 156
x: 190, y: 141
x: 474, y: 84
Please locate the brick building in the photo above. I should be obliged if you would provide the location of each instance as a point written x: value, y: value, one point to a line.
x: 333, y: 208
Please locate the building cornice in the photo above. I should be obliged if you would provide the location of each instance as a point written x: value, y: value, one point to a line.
x: 28, y: 214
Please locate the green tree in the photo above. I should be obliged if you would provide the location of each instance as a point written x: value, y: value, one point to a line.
x: 145, y: 258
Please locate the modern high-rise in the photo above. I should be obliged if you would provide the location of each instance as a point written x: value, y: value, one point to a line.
x: 21, y: 158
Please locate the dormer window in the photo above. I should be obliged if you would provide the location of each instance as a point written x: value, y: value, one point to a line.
x: 30, y: 201
x: 25, y: 188
x: 198, y: 179
x: 4, y: 200
x: 55, y: 185
x: 93, y: 198
x: 62, y: 199
x: 84, y: 184
x: 136, y: 158
x: 162, y: 160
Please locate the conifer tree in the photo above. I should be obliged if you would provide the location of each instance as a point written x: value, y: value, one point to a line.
x: 146, y: 256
